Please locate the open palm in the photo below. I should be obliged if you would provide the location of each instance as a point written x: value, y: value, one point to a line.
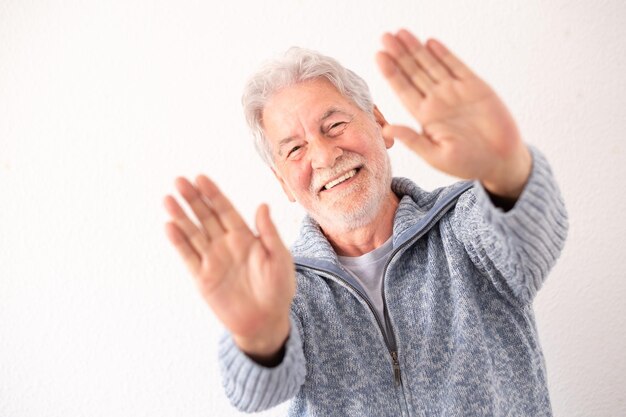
x: 247, y: 279
x: 467, y: 131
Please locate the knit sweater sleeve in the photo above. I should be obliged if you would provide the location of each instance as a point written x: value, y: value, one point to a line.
x: 515, y: 249
x: 252, y: 387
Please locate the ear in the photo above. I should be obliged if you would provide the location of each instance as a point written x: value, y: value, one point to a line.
x: 382, y: 122
x: 280, y: 179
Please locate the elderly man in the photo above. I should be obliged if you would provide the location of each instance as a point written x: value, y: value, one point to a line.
x: 393, y: 301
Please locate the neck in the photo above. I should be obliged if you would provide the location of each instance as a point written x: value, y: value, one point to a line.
x: 366, y: 238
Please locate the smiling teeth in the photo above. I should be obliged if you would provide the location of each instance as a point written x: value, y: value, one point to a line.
x: 344, y: 177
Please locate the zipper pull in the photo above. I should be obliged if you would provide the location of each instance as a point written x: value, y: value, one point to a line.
x: 396, y: 368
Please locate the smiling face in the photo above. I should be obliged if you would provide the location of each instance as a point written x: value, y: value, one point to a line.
x: 329, y: 155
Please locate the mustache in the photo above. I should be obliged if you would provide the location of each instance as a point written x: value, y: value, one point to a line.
x: 344, y: 163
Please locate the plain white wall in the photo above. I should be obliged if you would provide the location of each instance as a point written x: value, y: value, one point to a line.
x: 104, y: 103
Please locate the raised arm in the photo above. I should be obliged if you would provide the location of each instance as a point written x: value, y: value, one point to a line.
x: 246, y: 279
x: 467, y: 130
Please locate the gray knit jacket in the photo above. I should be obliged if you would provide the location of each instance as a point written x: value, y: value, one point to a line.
x: 458, y: 337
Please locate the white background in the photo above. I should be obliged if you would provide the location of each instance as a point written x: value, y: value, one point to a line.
x: 104, y: 103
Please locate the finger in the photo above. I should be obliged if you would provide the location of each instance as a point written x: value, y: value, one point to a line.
x: 419, y: 144
x: 267, y: 230
x: 435, y: 69
x: 407, y: 63
x: 205, y: 214
x: 456, y: 67
x: 184, y: 248
x: 191, y: 232
x: 410, y: 96
x: 225, y: 211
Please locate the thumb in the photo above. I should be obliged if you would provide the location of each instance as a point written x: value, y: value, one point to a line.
x: 419, y: 144
x: 267, y: 231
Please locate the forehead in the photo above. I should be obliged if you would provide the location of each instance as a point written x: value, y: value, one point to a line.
x: 303, y: 102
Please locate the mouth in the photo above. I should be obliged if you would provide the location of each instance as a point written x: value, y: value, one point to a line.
x: 346, y: 177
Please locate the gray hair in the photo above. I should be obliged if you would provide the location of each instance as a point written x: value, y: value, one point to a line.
x: 295, y: 66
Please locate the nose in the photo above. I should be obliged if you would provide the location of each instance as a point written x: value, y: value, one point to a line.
x: 324, y: 153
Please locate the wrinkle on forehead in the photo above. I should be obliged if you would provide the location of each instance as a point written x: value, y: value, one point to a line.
x: 296, y: 107
x: 317, y: 89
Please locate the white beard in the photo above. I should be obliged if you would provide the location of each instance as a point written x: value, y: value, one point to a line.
x: 360, y: 204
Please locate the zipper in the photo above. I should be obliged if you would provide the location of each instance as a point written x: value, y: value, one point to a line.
x: 417, y: 235
x: 385, y: 329
x: 390, y: 339
x: 398, y: 379
x: 396, y: 367
x: 390, y: 344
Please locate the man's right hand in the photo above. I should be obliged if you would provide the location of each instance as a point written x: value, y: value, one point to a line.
x: 247, y: 280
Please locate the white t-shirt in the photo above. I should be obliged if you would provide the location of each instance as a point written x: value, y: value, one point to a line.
x: 368, y: 271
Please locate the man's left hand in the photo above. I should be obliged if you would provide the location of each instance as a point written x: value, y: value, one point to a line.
x: 467, y: 131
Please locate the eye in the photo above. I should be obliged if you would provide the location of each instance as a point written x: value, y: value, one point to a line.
x: 336, y: 128
x: 293, y: 151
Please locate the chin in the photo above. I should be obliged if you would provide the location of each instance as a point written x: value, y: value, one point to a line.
x: 344, y: 219
x: 356, y: 207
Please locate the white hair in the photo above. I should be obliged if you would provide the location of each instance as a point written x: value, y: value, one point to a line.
x: 295, y: 66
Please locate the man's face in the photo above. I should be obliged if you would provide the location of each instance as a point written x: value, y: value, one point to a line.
x: 329, y: 155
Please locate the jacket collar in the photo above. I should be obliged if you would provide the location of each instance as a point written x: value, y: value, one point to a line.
x: 416, y: 207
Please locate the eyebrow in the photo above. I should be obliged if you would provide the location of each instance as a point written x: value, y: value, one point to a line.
x: 330, y: 112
